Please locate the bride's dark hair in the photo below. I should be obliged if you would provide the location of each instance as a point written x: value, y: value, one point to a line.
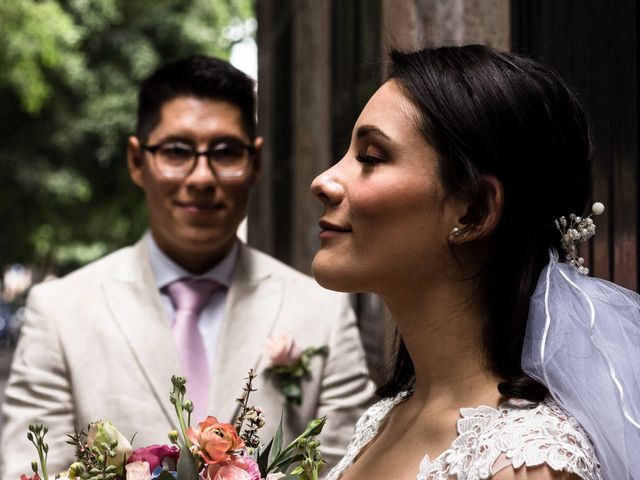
x: 490, y: 113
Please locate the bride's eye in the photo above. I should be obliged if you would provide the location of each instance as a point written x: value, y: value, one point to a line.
x: 368, y: 159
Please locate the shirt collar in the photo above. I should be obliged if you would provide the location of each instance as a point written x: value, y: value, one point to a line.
x: 166, y: 270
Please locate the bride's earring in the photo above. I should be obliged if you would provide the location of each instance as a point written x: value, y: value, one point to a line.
x: 455, y: 231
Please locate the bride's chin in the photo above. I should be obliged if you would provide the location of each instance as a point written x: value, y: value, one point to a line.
x: 331, y: 276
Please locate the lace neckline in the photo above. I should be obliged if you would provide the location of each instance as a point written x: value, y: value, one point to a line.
x: 464, y: 423
x: 518, y: 432
x: 379, y: 418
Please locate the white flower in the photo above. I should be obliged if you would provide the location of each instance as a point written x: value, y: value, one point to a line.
x: 138, y: 471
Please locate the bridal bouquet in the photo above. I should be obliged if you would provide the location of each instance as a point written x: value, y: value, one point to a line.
x: 211, y: 451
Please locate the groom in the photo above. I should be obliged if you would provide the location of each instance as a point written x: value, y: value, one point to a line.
x: 189, y: 298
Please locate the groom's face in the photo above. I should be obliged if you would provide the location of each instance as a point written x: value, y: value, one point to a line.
x: 194, y: 219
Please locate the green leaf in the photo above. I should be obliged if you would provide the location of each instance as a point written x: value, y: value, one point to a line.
x: 263, y: 458
x: 165, y: 475
x: 292, y: 391
x: 187, y: 469
x: 277, y: 442
x: 286, y: 461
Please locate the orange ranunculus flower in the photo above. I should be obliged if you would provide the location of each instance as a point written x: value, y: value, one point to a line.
x: 215, y: 441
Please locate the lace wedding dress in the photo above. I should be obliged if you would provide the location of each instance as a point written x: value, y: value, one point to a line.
x: 517, y: 433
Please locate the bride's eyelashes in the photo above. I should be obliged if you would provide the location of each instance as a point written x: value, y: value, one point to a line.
x: 368, y: 159
x: 369, y: 153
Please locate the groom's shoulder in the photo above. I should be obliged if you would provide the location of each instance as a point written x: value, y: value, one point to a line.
x: 89, y: 275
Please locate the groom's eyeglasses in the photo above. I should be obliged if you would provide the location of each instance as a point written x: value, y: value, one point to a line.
x: 228, y: 159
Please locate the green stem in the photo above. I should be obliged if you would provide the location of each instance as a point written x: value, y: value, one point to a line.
x: 43, y: 464
x: 183, y: 427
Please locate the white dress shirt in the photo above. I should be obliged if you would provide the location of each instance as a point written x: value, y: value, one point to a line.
x: 166, y: 271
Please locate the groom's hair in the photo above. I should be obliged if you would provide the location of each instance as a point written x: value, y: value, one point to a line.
x: 195, y: 76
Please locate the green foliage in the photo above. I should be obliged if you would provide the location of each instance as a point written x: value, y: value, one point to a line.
x: 37, y: 36
x: 187, y: 468
x: 69, y: 72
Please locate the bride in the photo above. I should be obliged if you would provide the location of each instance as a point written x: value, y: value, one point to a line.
x: 444, y: 205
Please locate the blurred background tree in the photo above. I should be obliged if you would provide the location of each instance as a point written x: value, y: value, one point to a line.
x: 69, y: 71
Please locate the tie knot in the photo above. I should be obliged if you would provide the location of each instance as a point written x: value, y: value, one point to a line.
x: 191, y: 294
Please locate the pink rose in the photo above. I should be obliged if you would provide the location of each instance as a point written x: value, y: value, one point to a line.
x: 226, y: 471
x: 215, y: 441
x: 138, y: 470
x: 236, y: 468
x: 252, y: 468
x: 153, y: 455
x: 283, y: 350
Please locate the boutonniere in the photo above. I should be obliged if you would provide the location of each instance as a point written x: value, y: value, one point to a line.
x: 290, y: 364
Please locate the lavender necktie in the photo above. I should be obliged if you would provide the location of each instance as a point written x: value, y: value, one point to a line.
x: 189, y: 296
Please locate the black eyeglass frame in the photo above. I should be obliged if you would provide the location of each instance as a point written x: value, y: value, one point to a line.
x: 251, y: 150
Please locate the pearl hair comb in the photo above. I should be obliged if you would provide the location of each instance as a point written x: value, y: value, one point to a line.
x: 577, y: 231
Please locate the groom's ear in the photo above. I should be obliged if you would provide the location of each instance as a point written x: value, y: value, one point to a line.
x: 483, y: 213
x: 134, y: 160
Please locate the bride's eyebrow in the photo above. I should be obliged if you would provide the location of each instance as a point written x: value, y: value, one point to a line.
x: 371, y: 131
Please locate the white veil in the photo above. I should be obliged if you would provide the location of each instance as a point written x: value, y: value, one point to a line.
x: 583, y: 343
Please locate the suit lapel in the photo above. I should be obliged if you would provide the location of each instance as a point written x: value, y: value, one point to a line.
x: 135, y: 305
x: 255, y: 298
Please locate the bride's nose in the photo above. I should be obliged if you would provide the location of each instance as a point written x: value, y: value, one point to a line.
x: 327, y: 187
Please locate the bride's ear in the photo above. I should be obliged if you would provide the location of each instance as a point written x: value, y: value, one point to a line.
x: 483, y: 213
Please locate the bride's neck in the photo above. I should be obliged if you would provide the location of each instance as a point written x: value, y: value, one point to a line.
x: 442, y: 328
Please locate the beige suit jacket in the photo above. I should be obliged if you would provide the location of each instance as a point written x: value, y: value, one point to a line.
x: 96, y: 344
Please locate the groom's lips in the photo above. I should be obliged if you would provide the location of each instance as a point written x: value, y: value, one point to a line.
x: 198, y: 207
x: 331, y: 230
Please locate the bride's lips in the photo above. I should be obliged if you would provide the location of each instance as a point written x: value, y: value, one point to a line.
x: 331, y: 230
